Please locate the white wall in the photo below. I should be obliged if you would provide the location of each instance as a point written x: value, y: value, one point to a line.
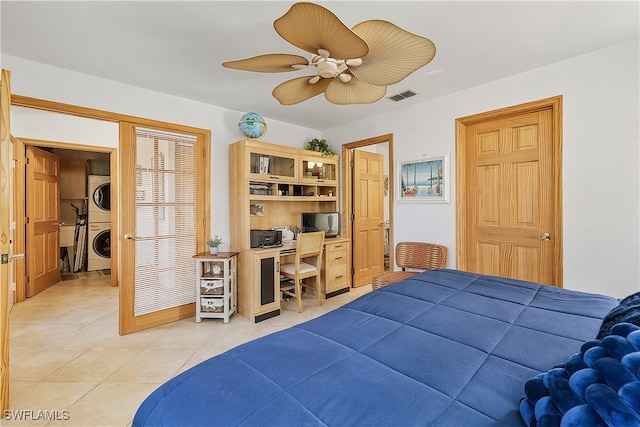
x: 601, y: 160
x: 54, y: 84
x: 601, y: 140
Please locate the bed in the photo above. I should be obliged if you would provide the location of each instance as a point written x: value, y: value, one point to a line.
x: 442, y: 348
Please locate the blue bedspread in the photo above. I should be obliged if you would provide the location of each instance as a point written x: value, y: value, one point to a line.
x: 444, y: 348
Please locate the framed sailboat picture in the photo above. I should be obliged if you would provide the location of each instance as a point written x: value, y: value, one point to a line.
x: 425, y: 180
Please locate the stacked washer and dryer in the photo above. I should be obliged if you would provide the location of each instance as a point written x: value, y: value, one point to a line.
x: 99, y: 217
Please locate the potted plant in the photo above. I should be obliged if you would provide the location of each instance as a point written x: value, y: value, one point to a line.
x: 320, y: 145
x: 213, y: 244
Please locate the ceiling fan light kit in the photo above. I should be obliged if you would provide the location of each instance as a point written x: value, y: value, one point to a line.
x: 353, y: 66
x: 330, y: 68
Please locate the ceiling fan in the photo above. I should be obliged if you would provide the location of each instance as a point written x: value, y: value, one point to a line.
x: 353, y: 66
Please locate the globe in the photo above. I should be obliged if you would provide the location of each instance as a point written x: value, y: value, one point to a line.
x: 252, y: 125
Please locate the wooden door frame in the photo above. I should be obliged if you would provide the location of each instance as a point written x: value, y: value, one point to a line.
x: 95, y: 114
x: 19, y: 213
x: 462, y: 233
x: 347, y: 188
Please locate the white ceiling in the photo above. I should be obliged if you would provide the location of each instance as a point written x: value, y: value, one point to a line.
x: 177, y: 47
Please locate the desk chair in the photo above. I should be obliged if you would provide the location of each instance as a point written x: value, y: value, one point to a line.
x: 307, y: 264
x: 416, y: 255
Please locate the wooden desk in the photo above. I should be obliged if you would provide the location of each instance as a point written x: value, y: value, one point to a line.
x: 259, y: 286
x: 335, y: 262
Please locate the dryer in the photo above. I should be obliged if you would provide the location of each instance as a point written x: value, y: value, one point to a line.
x: 99, y: 245
x: 99, y: 198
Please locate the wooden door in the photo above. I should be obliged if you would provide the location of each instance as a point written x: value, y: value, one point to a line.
x: 368, y: 211
x: 5, y: 234
x: 43, y: 224
x: 511, y: 196
x: 164, y: 219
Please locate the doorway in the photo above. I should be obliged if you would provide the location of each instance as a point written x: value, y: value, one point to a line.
x: 383, y: 145
x: 72, y: 197
x: 124, y: 176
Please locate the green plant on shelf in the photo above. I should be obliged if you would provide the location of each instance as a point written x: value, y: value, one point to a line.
x: 214, y: 242
x: 320, y: 145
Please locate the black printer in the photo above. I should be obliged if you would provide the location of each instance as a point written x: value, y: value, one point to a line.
x: 266, y: 238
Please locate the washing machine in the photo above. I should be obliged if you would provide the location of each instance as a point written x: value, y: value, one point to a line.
x: 99, y: 246
x: 99, y: 198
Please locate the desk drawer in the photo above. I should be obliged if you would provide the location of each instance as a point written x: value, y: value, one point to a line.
x: 336, y: 255
x: 336, y: 277
x: 336, y: 268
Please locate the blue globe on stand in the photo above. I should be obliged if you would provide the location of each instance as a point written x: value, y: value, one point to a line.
x: 252, y: 125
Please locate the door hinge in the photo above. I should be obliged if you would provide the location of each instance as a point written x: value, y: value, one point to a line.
x: 26, y: 220
x: 353, y: 217
x: 14, y: 162
x: 26, y: 160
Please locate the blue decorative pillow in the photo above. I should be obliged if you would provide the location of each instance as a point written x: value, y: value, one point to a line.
x: 599, y: 386
x: 628, y: 311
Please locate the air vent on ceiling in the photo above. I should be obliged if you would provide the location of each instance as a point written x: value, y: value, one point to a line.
x: 403, y: 95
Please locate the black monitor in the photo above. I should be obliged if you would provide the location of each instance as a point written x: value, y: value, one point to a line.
x: 329, y: 222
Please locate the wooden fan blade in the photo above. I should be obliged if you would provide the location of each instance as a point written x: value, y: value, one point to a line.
x: 393, y: 53
x: 311, y: 27
x: 270, y: 63
x: 353, y: 92
x: 297, y: 90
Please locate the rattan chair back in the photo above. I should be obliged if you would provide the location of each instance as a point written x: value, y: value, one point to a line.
x: 420, y: 255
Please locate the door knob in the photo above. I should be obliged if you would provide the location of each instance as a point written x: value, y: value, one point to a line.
x: 128, y: 237
x: 545, y: 236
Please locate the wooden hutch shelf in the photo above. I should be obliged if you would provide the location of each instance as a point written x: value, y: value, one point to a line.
x: 270, y: 186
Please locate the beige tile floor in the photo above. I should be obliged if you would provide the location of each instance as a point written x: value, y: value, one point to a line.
x: 66, y: 354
